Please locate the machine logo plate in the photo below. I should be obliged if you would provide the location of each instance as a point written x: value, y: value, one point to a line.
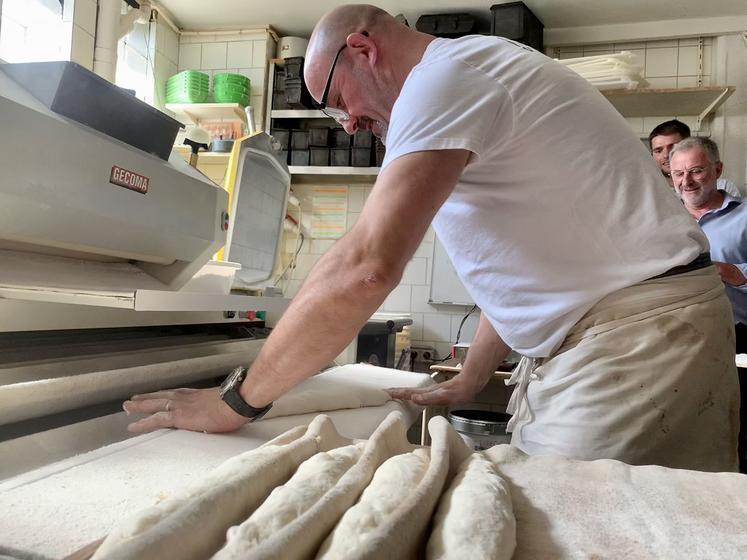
x: 129, y: 180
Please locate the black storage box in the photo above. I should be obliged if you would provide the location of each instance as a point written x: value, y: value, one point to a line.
x: 517, y: 22
x: 294, y: 68
x: 78, y: 94
x: 299, y: 139
x: 379, y: 153
x: 281, y: 136
x: 446, y: 25
x: 363, y: 139
x: 279, y: 102
x: 339, y: 157
x: 319, y: 137
x: 319, y: 156
x: 360, y: 157
x: 279, y: 84
x: 296, y: 94
x: 299, y: 157
x: 284, y: 155
x: 339, y: 138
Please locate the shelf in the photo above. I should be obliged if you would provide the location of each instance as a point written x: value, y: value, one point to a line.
x: 193, y: 113
x: 311, y: 174
x: 212, y: 157
x: 298, y: 114
x: 700, y: 102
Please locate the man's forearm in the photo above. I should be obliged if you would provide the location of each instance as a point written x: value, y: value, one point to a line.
x: 486, y: 352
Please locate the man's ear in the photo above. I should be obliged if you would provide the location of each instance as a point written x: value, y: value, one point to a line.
x: 362, y: 44
x: 719, y: 168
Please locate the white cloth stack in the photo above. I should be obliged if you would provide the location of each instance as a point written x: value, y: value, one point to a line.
x: 609, y: 71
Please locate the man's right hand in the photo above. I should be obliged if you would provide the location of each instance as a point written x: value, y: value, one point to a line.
x: 458, y: 390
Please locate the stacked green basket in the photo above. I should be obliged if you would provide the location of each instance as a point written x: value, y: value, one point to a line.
x: 231, y: 88
x: 188, y: 86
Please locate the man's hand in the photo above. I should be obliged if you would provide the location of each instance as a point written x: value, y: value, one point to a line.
x: 458, y: 390
x: 199, y: 410
x: 730, y: 274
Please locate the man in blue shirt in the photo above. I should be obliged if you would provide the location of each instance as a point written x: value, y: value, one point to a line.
x: 696, y: 167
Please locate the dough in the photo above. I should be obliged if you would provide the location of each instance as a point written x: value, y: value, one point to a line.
x: 194, y: 524
x: 302, y: 537
x: 475, y: 518
x: 312, y: 480
x: 377, y: 502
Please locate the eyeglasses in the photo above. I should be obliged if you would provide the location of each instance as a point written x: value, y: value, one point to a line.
x: 333, y: 112
x: 694, y: 172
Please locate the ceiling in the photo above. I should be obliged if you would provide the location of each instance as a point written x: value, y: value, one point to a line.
x: 297, y: 17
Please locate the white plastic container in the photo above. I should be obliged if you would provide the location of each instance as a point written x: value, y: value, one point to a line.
x: 289, y: 47
x: 216, y: 277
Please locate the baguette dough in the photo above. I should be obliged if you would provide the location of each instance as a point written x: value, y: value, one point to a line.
x: 475, y: 518
x: 194, y: 524
x: 312, y: 480
x: 377, y: 502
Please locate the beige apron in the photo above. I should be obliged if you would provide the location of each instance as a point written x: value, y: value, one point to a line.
x: 647, y: 376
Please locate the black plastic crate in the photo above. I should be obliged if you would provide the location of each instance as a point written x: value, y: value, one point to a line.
x: 319, y: 137
x: 319, y: 156
x: 446, y: 25
x: 299, y: 139
x: 294, y: 68
x: 339, y: 157
x: 379, y: 153
x: 284, y: 156
x: 339, y: 138
x: 299, y: 157
x: 279, y: 102
x: 296, y: 94
x: 363, y: 139
x: 281, y: 136
x: 278, y: 84
x: 360, y: 157
x: 517, y: 22
x: 78, y: 94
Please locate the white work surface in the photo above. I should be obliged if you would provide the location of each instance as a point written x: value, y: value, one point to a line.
x: 58, y: 509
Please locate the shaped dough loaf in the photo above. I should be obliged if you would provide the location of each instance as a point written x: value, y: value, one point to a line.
x: 376, y: 503
x: 194, y: 524
x: 475, y: 518
x: 312, y: 480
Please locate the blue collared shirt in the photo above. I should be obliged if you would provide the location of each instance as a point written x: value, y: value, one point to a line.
x: 726, y: 229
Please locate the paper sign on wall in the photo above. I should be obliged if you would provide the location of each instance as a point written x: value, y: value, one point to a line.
x: 329, y: 212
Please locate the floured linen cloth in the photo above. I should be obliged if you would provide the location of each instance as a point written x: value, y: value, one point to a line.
x: 646, y: 377
x: 568, y: 509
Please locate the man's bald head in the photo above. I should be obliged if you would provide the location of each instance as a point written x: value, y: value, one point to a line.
x: 331, y: 33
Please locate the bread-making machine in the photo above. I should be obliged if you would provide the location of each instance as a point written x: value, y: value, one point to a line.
x: 107, y: 283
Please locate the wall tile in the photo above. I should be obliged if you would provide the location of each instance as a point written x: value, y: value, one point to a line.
x: 437, y: 326
x: 425, y: 250
x: 82, y: 47
x: 687, y: 64
x: 259, y: 54
x: 420, y: 295
x: 570, y: 54
x: 661, y: 62
x: 416, y: 329
x: 662, y: 43
x: 321, y: 246
x: 214, y: 56
x: 649, y: 123
x: 707, y: 60
x: 636, y: 123
x: 398, y: 299
x: 256, y: 77
x: 85, y: 15
x: 668, y: 82
x: 687, y: 81
x: 629, y: 46
x: 239, y: 54
x: 430, y: 235
x: 414, y: 272
x: 352, y: 218
x: 190, y: 56
x: 688, y: 42
x: 468, y: 329
x: 598, y: 49
x: 138, y: 39
x: 304, y: 264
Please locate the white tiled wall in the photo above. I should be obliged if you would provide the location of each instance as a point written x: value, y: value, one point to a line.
x: 434, y: 326
x: 81, y: 15
x: 245, y: 52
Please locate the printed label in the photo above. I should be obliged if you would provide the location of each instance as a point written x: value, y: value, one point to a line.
x: 129, y: 180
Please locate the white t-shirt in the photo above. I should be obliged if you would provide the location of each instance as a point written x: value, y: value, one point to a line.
x: 560, y: 204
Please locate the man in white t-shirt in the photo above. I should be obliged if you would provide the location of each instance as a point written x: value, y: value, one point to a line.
x: 554, y: 217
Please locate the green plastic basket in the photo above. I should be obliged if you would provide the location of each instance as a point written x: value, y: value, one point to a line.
x: 229, y: 78
x: 189, y: 86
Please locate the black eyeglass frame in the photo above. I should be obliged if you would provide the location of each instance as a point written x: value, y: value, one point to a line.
x: 322, y: 105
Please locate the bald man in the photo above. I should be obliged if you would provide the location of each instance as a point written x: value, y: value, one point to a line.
x: 553, y: 215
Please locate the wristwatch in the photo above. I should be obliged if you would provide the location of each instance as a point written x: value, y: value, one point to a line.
x: 229, y: 392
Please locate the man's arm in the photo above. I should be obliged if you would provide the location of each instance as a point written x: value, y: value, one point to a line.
x: 486, y: 352
x: 342, y: 291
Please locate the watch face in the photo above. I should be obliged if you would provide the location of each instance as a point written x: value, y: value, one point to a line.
x: 233, y: 380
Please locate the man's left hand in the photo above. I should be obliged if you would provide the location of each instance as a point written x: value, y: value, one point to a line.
x: 730, y: 274
x: 454, y: 391
x: 199, y: 410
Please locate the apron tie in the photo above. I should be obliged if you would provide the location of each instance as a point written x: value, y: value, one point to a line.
x: 518, y: 405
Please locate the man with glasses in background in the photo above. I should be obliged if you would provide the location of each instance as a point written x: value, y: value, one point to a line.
x: 555, y: 219
x: 696, y: 166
